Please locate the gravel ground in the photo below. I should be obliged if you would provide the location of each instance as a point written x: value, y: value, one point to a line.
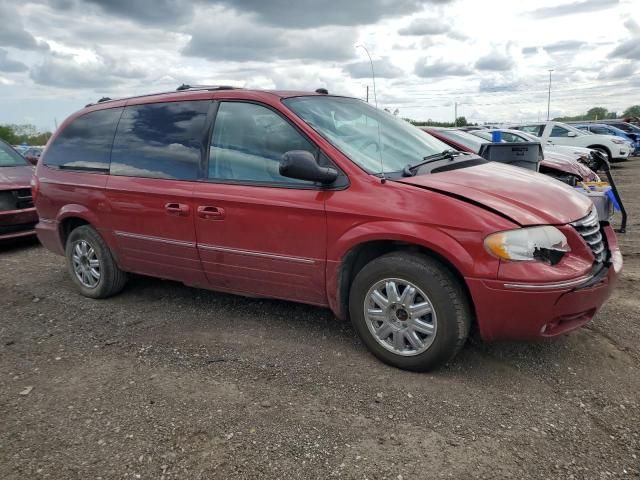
x: 168, y: 382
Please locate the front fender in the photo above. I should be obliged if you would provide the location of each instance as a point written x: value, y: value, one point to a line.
x: 435, y: 239
x: 438, y: 240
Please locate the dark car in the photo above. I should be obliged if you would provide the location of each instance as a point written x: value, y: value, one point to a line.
x: 325, y: 200
x: 17, y: 214
x: 32, y: 154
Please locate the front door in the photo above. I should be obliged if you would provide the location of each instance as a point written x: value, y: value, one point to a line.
x: 258, y: 232
x: 154, y: 165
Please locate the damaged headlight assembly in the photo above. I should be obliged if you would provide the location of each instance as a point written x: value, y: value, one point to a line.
x: 543, y: 244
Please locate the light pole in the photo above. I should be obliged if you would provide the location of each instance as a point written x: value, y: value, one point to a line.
x: 373, y: 75
x: 549, y: 97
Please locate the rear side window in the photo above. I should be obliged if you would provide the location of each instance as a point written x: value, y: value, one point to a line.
x: 160, y: 140
x: 85, y: 144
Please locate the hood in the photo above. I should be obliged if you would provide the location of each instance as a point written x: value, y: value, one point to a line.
x: 526, y: 197
x: 596, y: 137
x: 15, y: 177
x: 566, y: 164
x: 572, y: 151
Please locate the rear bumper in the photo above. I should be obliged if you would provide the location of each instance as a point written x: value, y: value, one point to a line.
x: 49, y: 235
x: 17, y: 223
x: 508, y: 311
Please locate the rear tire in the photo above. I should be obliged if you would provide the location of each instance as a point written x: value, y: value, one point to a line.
x: 387, y: 295
x: 91, y: 264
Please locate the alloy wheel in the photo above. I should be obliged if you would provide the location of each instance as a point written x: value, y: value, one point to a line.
x: 86, y: 264
x: 400, y: 316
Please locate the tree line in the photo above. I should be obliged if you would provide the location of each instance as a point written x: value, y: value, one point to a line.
x: 601, y: 113
x: 27, y: 134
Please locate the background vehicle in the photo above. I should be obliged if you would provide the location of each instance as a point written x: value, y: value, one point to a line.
x: 563, y: 134
x: 603, y: 129
x: 324, y: 200
x: 17, y: 214
x: 559, y: 167
x: 32, y: 154
x: 583, y: 155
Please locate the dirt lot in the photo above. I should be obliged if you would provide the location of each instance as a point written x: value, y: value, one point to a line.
x: 165, y: 381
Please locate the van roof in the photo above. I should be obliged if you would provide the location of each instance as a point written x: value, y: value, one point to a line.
x: 202, y: 92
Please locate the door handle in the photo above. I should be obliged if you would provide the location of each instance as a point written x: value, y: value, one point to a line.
x: 210, y: 213
x: 178, y: 209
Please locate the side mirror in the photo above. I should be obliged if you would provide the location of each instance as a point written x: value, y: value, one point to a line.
x: 302, y: 165
x: 571, y: 134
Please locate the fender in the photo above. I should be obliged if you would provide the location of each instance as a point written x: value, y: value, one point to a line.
x: 421, y: 235
x: 74, y: 210
x: 78, y: 211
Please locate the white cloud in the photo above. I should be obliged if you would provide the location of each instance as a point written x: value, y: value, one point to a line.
x: 428, y: 54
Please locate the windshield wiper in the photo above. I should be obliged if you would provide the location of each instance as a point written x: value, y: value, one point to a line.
x: 410, y: 170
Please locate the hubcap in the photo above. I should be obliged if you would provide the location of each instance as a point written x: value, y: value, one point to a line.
x: 400, y: 316
x: 86, y: 264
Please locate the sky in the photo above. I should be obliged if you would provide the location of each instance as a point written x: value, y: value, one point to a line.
x: 490, y: 57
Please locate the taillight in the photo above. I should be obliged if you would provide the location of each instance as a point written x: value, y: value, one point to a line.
x: 35, y: 187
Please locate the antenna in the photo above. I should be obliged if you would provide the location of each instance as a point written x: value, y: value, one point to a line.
x: 375, y: 99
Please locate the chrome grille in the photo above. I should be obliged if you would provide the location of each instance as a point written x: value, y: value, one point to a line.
x: 589, y: 229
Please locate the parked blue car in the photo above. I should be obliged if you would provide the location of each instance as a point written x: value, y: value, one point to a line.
x: 604, y: 129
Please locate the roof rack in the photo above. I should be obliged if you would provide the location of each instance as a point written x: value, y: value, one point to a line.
x: 185, y: 86
x: 181, y: 88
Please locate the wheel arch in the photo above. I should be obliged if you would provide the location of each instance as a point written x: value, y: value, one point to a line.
x: 449, y: 253
x: 72, y: 216
x: 601, y: 147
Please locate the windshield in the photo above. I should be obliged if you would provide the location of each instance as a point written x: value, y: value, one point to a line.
x: 9, y: 157
x: 528, y: 136
x: 574, y: 129
x: 368, y: 136
x: 484, y: 134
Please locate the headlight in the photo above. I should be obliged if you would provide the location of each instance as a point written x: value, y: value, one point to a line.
x: 619, y: 142
x: 543, y: 244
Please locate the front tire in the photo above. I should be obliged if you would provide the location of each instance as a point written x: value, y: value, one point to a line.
x: 603, y: 150
x: 91, y: 265
x: 410, y: 311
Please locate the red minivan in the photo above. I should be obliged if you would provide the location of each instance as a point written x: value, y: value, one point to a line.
x: 325, y: 200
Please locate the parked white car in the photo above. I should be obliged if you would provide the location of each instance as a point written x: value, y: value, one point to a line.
x: 508, y: 135
x: 558, y: 133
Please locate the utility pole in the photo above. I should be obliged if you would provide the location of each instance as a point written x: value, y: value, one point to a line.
x: 367, y: 93
x: 455, y: 114
x: 549, y: 97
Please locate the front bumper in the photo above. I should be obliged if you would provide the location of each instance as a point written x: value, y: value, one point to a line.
x: 621, y: 153
x: 525, y: 311
x: 17, y: 223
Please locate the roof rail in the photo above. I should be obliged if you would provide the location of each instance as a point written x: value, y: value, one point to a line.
x: 185, y: 86
x: 181, y: 88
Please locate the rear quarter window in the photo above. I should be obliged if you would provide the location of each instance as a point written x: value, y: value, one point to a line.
x: 160, y: 140
x: 85, y: 143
